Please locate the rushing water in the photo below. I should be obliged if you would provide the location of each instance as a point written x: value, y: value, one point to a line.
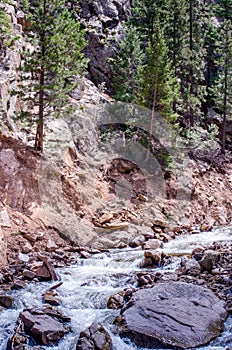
x: 186, y: 243
x: 87, y: 286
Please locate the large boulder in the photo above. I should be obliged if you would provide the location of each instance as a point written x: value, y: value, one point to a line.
x: 95, y: 337
x: 173, y: 314
x: 45, y: 325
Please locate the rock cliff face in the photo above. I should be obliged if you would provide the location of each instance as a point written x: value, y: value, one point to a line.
x: 18, y: 182
x: 9, y: 61
x: 103, y: 20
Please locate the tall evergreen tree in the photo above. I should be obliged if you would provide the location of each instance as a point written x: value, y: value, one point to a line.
x: 146, y: 13
x: 127, y: 64
x: 143, y: 17
x: 184, y: 30
x: 223, y: 10
x: 52, y: 63
x: 159, y: 88
x: 210, y: 69
x: 175, y: 25
x: 222, y: 90
x: 190, y: 61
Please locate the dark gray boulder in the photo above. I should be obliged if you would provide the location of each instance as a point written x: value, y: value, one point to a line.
x: 95, y: 337
x: 173, y: 314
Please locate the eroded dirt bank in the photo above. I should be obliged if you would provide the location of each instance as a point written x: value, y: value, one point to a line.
x: 37, y: 195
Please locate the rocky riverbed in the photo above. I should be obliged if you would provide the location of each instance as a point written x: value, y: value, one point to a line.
x: 96, y: 286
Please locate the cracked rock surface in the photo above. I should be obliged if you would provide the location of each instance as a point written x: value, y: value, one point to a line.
x: 173, y: 314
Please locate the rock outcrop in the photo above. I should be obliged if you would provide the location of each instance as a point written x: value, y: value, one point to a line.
x: 103, y: 19
x: 173, y: 314
x: 18, y: 169
x: 10, y: 60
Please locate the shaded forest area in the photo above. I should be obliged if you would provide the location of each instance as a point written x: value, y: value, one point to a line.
x: 176, y: 57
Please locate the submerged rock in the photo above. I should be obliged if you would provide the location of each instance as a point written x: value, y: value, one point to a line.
x: 6, y: 301
x: 145, y: 279
x: 18, y: 284
x: 137, y: 241
x: 173, y: 314
x: 95, y: 337
x: 50, y: 297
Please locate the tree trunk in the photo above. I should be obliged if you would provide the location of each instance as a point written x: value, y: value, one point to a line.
x: 191, y: 90
x: 40, y: 123
x: 152, y: 122
x: 175, y: 19
x: 223, y: 146
x: 225, y: 93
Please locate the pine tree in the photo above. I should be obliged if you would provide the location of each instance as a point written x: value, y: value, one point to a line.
x: 191, y: 62
x: 175, y: 25
x: 184, y: 28
x: 52, y: 63
x: 223, y: 10
x: 210, y: 69
x: 222, y: 90
x: 159, y: 88
x: 146, y: 13
x: 127, y: 65
x: 143, y: 17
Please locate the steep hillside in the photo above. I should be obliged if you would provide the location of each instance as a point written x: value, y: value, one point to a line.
x: 72, y: 195
x: 85, y: 191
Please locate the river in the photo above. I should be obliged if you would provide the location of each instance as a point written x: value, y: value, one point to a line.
x: 87, y: 286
